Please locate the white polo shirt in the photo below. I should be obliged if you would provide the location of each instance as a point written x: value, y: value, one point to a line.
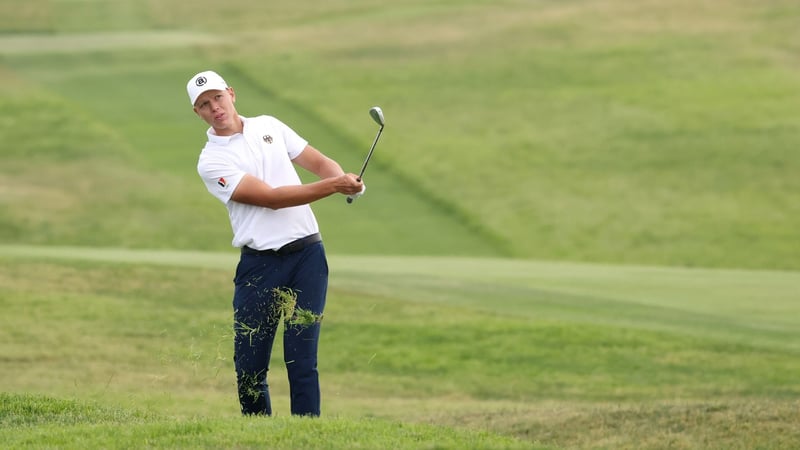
x: 265, y: 150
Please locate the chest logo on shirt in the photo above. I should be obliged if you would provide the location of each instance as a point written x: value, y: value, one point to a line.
x: 222, y: 183
x: 267, y: 138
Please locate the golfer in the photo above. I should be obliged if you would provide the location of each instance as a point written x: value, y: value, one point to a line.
x: 249, y: 163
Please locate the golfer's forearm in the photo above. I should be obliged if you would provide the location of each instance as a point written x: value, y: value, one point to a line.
x: 320, y: 165
x: 286, y: 196
x: 325, y: 167
x: 328, y: 169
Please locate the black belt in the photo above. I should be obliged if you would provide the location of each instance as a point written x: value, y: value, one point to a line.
x: 291, y: 247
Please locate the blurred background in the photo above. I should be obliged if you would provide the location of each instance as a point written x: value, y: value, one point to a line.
x: 646, y: 132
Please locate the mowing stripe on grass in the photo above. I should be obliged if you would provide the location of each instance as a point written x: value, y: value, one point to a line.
x: 21, y: 44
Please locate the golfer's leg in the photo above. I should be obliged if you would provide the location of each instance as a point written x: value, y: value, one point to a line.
x: 255, y: 326
x: 301, y: 341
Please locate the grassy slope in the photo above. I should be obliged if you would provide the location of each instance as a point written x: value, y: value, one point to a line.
x: 583, y: 349
x: 153, y: 179
x: 582, y: 131
x: 601, y: 131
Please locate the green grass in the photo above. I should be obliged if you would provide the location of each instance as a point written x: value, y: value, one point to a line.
x: 649, y: 147
x: 585, y: 131
x: 37, y: 421
x: 557, y: 355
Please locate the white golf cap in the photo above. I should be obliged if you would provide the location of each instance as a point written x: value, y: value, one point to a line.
x: 204, y: 81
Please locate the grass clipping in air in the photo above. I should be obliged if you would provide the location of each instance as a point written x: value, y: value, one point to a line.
x: 286, y: 300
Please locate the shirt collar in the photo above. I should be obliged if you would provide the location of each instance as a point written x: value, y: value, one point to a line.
x: 222, y: 140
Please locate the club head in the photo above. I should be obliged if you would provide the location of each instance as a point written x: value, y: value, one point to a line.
x: 377, y: 115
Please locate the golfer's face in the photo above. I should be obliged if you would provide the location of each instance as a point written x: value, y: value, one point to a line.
x: 216, y: 108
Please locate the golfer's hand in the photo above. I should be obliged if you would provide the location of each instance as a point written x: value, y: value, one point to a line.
x: 348, y: 184
x: 359, y: 194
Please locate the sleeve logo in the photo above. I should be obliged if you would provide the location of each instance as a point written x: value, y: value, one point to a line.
x: 222, y: 183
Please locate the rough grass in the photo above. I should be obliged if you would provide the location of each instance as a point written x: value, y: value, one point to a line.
x: 30, y: 421
x: 564, y: 356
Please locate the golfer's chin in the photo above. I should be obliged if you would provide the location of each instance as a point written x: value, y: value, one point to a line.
x: 224, y: 125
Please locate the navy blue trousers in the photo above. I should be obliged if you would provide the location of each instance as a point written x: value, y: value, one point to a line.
x: 257, y: 319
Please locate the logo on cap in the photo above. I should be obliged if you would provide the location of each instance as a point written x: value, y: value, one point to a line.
x: 200, y: 81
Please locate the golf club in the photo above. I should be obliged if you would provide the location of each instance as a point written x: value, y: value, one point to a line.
x: 377, y: 115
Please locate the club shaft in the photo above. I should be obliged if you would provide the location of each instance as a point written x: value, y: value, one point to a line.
x: 369, y: 155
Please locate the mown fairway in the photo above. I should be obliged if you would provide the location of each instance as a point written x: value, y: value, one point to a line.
x: 581, y: 228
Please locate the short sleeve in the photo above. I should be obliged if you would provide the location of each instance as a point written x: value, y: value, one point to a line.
x: 221, y: 177
x: 294, y: 143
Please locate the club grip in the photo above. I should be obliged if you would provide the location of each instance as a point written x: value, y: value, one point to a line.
x: 349, y: 199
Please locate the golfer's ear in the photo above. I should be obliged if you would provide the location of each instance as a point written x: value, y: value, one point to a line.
x: 233, y: 94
